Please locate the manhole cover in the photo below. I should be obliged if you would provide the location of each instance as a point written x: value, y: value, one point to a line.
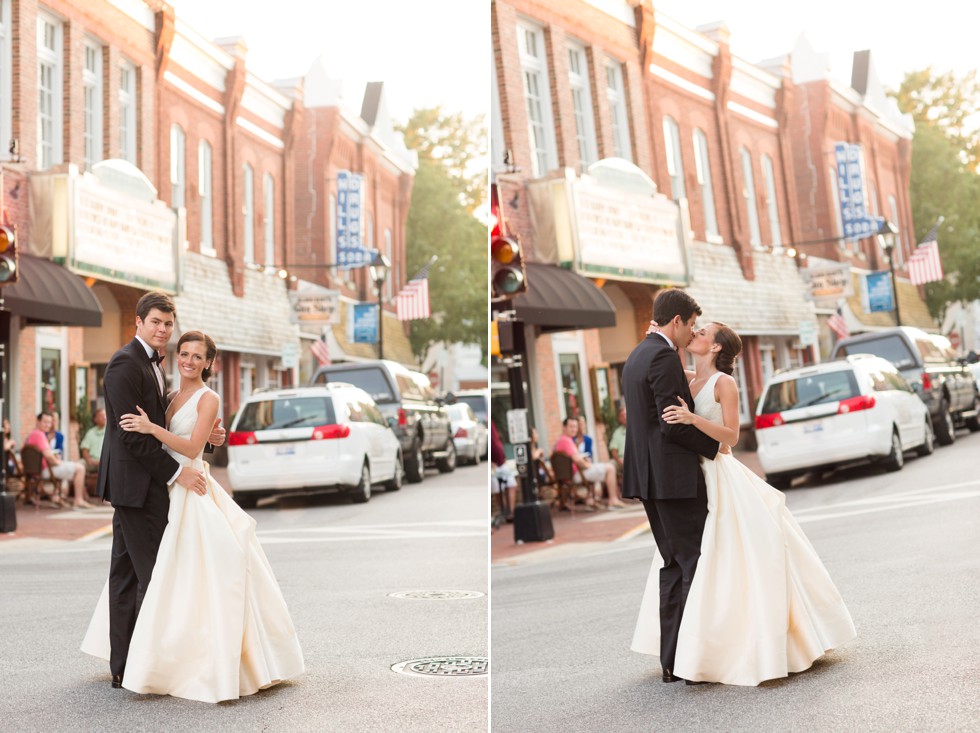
x: 437, y: 595
x: 443, y: 667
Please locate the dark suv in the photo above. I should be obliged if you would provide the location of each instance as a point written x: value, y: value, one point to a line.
x: 407, y: 401
x: 944, y: 384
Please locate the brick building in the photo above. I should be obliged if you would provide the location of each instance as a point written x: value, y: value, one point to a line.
x: 632, y: 153
x: 149, y: 157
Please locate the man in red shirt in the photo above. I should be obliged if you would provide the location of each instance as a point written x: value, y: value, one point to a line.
x: 585, y: 469
x: 53, y: 467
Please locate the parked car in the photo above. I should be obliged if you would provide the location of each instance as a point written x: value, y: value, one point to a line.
x: 975, y: 371
x: 946, y: 386
x: 469, y: 434
x: 822, y: 416
x: 479, y: 400
x: 330, y: 437
x: 407, y: 401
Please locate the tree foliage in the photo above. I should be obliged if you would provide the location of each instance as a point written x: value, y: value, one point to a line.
x: 441, y: 222
x: 944, y: 178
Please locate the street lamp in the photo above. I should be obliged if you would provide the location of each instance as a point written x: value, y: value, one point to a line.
x: 379, y: 273
x: 887, y: 240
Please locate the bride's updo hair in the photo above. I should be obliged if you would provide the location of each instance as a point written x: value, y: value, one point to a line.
x: 211, y: 350
x: 731, y: 347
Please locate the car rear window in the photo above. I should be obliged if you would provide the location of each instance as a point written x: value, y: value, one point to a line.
x: 373, y: 381
x: 813, y: 389
x: 478, y: 404
x: 286, y: 412
x: 892, y: 348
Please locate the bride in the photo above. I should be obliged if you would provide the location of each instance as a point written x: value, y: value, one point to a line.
x: 213, y: 624
x: 761, y: 604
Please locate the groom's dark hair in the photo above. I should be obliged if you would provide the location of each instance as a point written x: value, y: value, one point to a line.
x: 674, y: 302
x: 160, y: 301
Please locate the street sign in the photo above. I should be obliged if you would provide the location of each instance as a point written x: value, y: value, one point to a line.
x: 289, y: 354
x: 808, y: 333
x: 517, y: 426
x: 520, y: 453
x: 314, y: 307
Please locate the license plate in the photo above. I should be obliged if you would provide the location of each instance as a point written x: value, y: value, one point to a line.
x: 816, y: 427
x: 286, y: 450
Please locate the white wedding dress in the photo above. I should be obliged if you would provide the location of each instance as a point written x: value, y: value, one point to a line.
x: 213, y: 625
x: 761, y: 605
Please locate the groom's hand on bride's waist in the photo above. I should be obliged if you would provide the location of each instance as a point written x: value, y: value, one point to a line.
x: 192, y: 480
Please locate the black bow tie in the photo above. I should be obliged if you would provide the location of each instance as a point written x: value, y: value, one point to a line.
x: 157, y: 357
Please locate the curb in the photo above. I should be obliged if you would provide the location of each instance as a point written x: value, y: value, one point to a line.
x: 96, y: 534
x: 635, y: 532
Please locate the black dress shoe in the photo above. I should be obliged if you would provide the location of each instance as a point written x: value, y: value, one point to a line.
x: 116, y: 681
x: 693, y: 682
x: 670, y: 677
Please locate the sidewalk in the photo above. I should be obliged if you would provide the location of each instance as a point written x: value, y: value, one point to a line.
x: 66, y: 525
x: 575, y: 532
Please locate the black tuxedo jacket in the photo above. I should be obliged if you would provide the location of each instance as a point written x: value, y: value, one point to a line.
x: 132, y: 463
x: 660, y: 460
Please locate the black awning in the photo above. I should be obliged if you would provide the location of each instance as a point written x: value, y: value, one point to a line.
x: 561, y: 300
x: 46, y: 292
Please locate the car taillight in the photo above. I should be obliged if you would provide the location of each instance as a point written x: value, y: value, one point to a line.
x: 242, y: 439
x: 461, y: 433
x: 926, y: 381
x: 853, y: 404
x: 329, y: 432
x: 772, y: 420
x: 402, y: 417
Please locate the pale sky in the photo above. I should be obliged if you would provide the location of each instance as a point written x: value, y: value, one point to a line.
x: 428, y: 52
x: 903, y: 36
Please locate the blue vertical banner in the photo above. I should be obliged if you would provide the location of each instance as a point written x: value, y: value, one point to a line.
x: 350, y: 251
x: 858, y: 223
x: 365, y: 323
x: 876, y: 292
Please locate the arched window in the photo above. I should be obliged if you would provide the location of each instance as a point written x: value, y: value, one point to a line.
x: 178, y: 166
x: 748, y: 193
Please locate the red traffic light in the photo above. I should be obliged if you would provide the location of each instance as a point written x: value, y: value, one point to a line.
x: 8, y: 256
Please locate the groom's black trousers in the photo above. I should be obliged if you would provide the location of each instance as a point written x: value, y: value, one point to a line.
x: 136, y: 535
x: 677, y: 525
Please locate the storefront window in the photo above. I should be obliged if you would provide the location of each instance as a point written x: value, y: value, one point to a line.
x: 50, y: 383
x: 571, y: 385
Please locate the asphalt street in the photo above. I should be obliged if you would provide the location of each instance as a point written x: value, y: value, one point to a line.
x: 903, y: 549
x: 337, y: 564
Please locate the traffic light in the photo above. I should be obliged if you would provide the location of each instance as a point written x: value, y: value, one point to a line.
x: 8, y: 255
x: 508, y: 275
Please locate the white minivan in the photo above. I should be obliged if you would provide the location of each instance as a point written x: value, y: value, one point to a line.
x: 822, y: 416
x: 330, y: 437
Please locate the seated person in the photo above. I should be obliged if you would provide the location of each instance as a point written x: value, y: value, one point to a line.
x: 617, y: 442
x: 14, y: 467
x: 53, y: 467
x: 582, y: 441
x: 91, y: 444
x: 545, y: 475
x: 504, y: 476
x: 586, y: 470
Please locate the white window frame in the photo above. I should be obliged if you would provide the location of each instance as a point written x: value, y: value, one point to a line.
x: 748, y: 193
x: 205, y: 174
x: 50, y: 149
x: 248, y: 211
x: 269, y: 187
x: 178, y: 167
x: 6, y: 64
x: 92, y: 81
x: 899, y: 248
x: 127, y: 111
x: 772, y: 204
x: 578, y: 82
x: 389, y: 244
x: 702, y: 168
x: 675, y: 163
x: 537, y: 99
x: 616, y: 96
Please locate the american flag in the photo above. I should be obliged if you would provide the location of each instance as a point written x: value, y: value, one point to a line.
x: 321, y: 351
x: 838, y: 325
x: 413, y: 300
x: 925, y: 266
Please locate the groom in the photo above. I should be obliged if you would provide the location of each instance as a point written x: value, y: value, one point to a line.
x: 134, y: 469
x: 661, y: 466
